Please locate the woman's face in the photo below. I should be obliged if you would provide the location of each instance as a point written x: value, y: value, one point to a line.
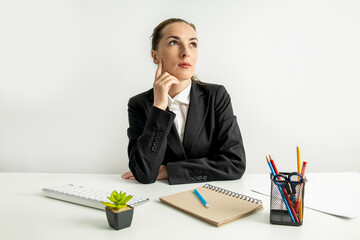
x: 178, y: 50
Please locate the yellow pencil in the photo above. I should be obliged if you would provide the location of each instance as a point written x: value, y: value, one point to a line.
x: 298, y: 159
x: 299, y: 171
x: 301, y: 209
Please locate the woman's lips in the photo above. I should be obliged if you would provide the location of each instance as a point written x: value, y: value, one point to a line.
x: 185, y: 65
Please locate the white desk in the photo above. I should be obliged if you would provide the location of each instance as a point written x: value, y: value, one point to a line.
x: 26, y: 214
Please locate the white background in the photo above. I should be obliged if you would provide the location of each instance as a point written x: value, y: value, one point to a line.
x: 68, y: 68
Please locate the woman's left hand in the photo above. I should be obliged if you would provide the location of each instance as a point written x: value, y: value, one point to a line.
x: 163, y: 174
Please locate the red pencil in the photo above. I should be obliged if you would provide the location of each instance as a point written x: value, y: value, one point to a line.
x: 273, y: 164
x: 298, y: 200
x: 303, y: 170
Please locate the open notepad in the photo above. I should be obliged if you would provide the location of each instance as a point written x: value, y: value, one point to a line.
x: 225, y: 206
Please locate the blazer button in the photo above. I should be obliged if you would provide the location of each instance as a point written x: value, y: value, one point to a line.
x: 154, y: 148
x: 156, y: 144
x: 157, y: 139
x: 200, y: 178
x: 204, y: 178
x: 159, y: 134
x: 190, y: 179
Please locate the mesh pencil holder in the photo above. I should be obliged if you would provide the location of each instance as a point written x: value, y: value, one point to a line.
x: 287, y: 199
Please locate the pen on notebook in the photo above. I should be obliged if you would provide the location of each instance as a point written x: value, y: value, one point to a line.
x: 201, y: 198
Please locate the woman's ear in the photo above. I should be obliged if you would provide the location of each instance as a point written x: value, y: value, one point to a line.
x: 154, y: 56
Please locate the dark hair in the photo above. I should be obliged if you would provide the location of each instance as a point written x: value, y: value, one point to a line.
x: 157, y: 35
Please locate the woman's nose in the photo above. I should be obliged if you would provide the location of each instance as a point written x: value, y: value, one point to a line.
x: 185, y: 52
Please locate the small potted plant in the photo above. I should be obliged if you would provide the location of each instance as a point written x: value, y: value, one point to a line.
x: 118, y: 213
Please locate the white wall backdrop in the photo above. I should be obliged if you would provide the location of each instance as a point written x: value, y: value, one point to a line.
x: 68, y: 68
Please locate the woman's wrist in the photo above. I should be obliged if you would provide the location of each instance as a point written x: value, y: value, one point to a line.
x: 162, y: 106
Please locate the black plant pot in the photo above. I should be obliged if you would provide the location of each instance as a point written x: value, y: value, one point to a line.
x: 119, y: 220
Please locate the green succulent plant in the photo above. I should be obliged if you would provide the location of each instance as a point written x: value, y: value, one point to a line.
x: 118, y: 200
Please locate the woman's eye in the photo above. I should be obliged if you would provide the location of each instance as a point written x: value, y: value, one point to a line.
x: 194, y: 45
x: 172, y: 43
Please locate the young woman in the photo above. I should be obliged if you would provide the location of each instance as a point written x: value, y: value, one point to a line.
x: 182, y: 129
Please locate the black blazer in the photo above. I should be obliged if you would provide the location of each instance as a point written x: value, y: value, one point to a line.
x: 212, y: 147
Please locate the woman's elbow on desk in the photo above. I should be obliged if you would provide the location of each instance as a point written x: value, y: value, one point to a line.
x: 162, y: 175
x: 145, y: 180
x: 235, y: 171
x: 142, y: 178
x: 146, y: 176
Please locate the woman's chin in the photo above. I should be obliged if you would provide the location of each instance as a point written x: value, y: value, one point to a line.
x: 183, y: 77
x: 183, y: 80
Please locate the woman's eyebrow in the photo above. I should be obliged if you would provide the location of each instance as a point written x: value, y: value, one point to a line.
x: 176, y: 37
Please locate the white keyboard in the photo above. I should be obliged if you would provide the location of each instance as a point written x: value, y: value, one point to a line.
x: 85, y: 196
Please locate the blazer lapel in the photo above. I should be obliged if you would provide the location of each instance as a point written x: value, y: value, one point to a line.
x: 198, y: 108
x: 174, y: 143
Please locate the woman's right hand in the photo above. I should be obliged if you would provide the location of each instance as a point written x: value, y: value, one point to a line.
x: 161, y: 176
x: 128, y: 175
x: 162, y: 84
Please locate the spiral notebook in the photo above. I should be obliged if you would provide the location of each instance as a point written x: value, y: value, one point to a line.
x: 225, y: 206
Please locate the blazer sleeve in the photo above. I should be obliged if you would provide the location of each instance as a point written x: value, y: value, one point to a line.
x: 227, y: 160
x: 147, y: 140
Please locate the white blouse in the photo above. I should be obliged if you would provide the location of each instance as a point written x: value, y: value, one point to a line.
x: 180, y: 105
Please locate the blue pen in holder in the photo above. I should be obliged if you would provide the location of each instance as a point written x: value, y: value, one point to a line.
x: 287, y: 199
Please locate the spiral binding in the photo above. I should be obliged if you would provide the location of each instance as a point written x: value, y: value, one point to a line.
x: 232, y: 194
